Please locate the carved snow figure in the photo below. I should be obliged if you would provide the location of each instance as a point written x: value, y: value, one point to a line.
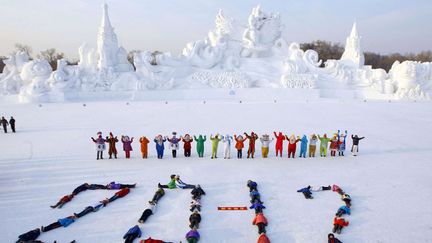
x: 10, y: 80
x: 59, y: 80
x: 353, y: 53
x: 34, y: 75
x: 406, y: 77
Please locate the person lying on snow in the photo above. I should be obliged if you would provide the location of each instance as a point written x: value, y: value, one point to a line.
x: 337, y: 189
x: 132, y: 234
x: 88, y: 209
x: 263, y: 238
x: 180, y: 184
x: 356, y: 140
x: 65, y: 222
x: 158, y: 195
x: 333, y: 239
x: 150, y: 210
x: 192, y: 236
x: 123, y: 192
x: 343, y: 210
x: 255, y: 196
x: 252, y: 185
x: 29, y: 236
x: 347, y: 199
x: 320, y: 188
x: 339, y: 223
x: 115, y: 186
x: 63, y: 201
x: 194, y: 220
x: 171, y: 184
x: 80, y: 188
x: 261, y: 221
x: 306, y: 192
x: 257, y: 206
x: 150, y: 240
x: 195, y: 205
x: 197, y: 192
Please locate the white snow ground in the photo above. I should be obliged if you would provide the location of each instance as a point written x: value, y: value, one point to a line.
x: 390, y: 182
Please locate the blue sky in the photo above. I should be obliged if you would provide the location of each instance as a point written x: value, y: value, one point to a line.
x: 167, y: 25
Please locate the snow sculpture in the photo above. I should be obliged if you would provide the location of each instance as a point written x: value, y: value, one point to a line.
x: 409, y: 77
x: 87, y: 57
x: 261, y: 34
x: 34, y: 75
x: 353, y: 54
x: 10, y: 80
x: 60, y: 79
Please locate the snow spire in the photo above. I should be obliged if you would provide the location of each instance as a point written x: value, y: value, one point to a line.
x: 107, y: 42
x: 353, y: 52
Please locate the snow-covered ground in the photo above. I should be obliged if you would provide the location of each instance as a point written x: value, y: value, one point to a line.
x: 390, y: 182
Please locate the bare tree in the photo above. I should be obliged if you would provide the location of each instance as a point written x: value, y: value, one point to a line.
x: 51, y: 55
x: 25, y: 48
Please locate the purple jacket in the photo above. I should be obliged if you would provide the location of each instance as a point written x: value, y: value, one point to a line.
x: 99, y: 140
x: 193, y: 234
x: 127, y: 145
x: 113, y: 185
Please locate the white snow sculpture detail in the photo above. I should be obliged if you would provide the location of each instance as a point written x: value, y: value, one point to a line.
x: 34, y: 75
x: 353, y: 54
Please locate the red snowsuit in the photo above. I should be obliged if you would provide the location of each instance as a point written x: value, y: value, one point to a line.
x: 260, y: 218
x: 279, y: 143
x: 292, y: 146
x: 263, y: 239
x: 340, y: 221
x: 123, y: 192
x: 66, y: 199
x: 252, y: 138
x: 150, y: 240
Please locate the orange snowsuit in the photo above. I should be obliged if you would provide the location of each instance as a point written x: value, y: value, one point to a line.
x: 144, y: 142
x: 239, y: 143
x: 260, y: 218
x: 263, y: 238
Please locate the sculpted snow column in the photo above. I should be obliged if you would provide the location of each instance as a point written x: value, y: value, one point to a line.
x: 353, y: 52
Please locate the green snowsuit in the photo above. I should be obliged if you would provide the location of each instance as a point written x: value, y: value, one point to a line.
x: 215, y: 142
x: 323, y: 145
x: 172, y: 184
x: 200, y: 145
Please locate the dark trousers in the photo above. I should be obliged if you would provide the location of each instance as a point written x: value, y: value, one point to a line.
x: 307, y: 195
x: 239, y: 153
x: 258, y: 210
x: 5, y: 128
x: 261, y: 228
x: 337, y: 228
x: 113, y: 198
x: 100, y: 154
x: 174, y: 153
x: 52, y: 226
x: 163, y: 186
x: 347, y: 202
x: 251, y: 188
x: 340, y: 212
x: 13, y: 127
x: 341, y: 153
x: 130, y: 238
x: 187, y: 152
x: 96, y: 186
x: 122, y: 186
x: 87, y: 210
x: 194, y: 223
x: 145, y: 215
x: 197, y: 207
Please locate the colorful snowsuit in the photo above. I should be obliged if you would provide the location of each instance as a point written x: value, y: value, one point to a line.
x: 252, y: 138
x: 263, y: 238
x: 339, y: 223
x: 200, y: 145
x: 174, y: 145
x: 132, y: 234
x: 343, y: 210
x: 279, y: 143
x: 127, y: 145
x: 144, y: 146
x: 265, y: 144
x: 112, y: 150
x: 333, y: 146
x: 227, y: 140
x: 312, y: 145
x: 324, y: 145
x: 215, y: 142
x: 292, y: 145
x: 192, y: 236
x: 306, y: 192
x: 261, y: 221
x: 187, y: 146
x: 99, y: 145
x: 342, y: 142
x: 303, y: 146
x: 160, y: 146
x: 239, y: 145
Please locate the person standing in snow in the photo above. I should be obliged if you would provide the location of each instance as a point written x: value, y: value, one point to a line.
x: 324, y: 145
x: 227, y: 140
x: 127, y: 145
x: 279, y: 143
x: 252, y: 139
x: 174, y: 143
x: 334, y: 145
x: 200, y: 145
x: 144, y: 146
x: 265, y: 145
x: 215, y: 142
x: 112, y: 150
x: 159, y: 140
x: 239, y: 145
x: 312, y: 145
x: 341, y: 142
x: 356, y: 140
x: 12, y: 124
x: 292, y: 145
x: 4, y: 123
x: 303, y: 146
x: 187, y: 145
x: 100, y: 145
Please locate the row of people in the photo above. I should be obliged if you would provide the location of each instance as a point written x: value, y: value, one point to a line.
x: 337, y: 144
x: 32, y: 235
x: 5, y: 123
x: 260, y: 220
x: 339, y: 221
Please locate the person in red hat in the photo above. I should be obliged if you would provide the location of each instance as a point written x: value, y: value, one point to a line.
x: 251, y: 150
x: 279, y: 143
x: 187, y: 146
x: 339, y: 223
x: 99, y: 145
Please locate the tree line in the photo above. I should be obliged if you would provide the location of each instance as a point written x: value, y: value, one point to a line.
x: 326, y: 50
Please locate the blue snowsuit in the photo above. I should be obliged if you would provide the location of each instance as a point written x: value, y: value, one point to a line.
x: 303, y: 146
x: 160, y: 148
x: 258, y: 207
x: 133, y: 233
x: 343, y: 210
x: 306, y: 192
x: 252, y: 185
x: 65, y: 222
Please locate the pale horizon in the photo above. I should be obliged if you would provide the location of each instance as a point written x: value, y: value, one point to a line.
x: 385, y: 27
